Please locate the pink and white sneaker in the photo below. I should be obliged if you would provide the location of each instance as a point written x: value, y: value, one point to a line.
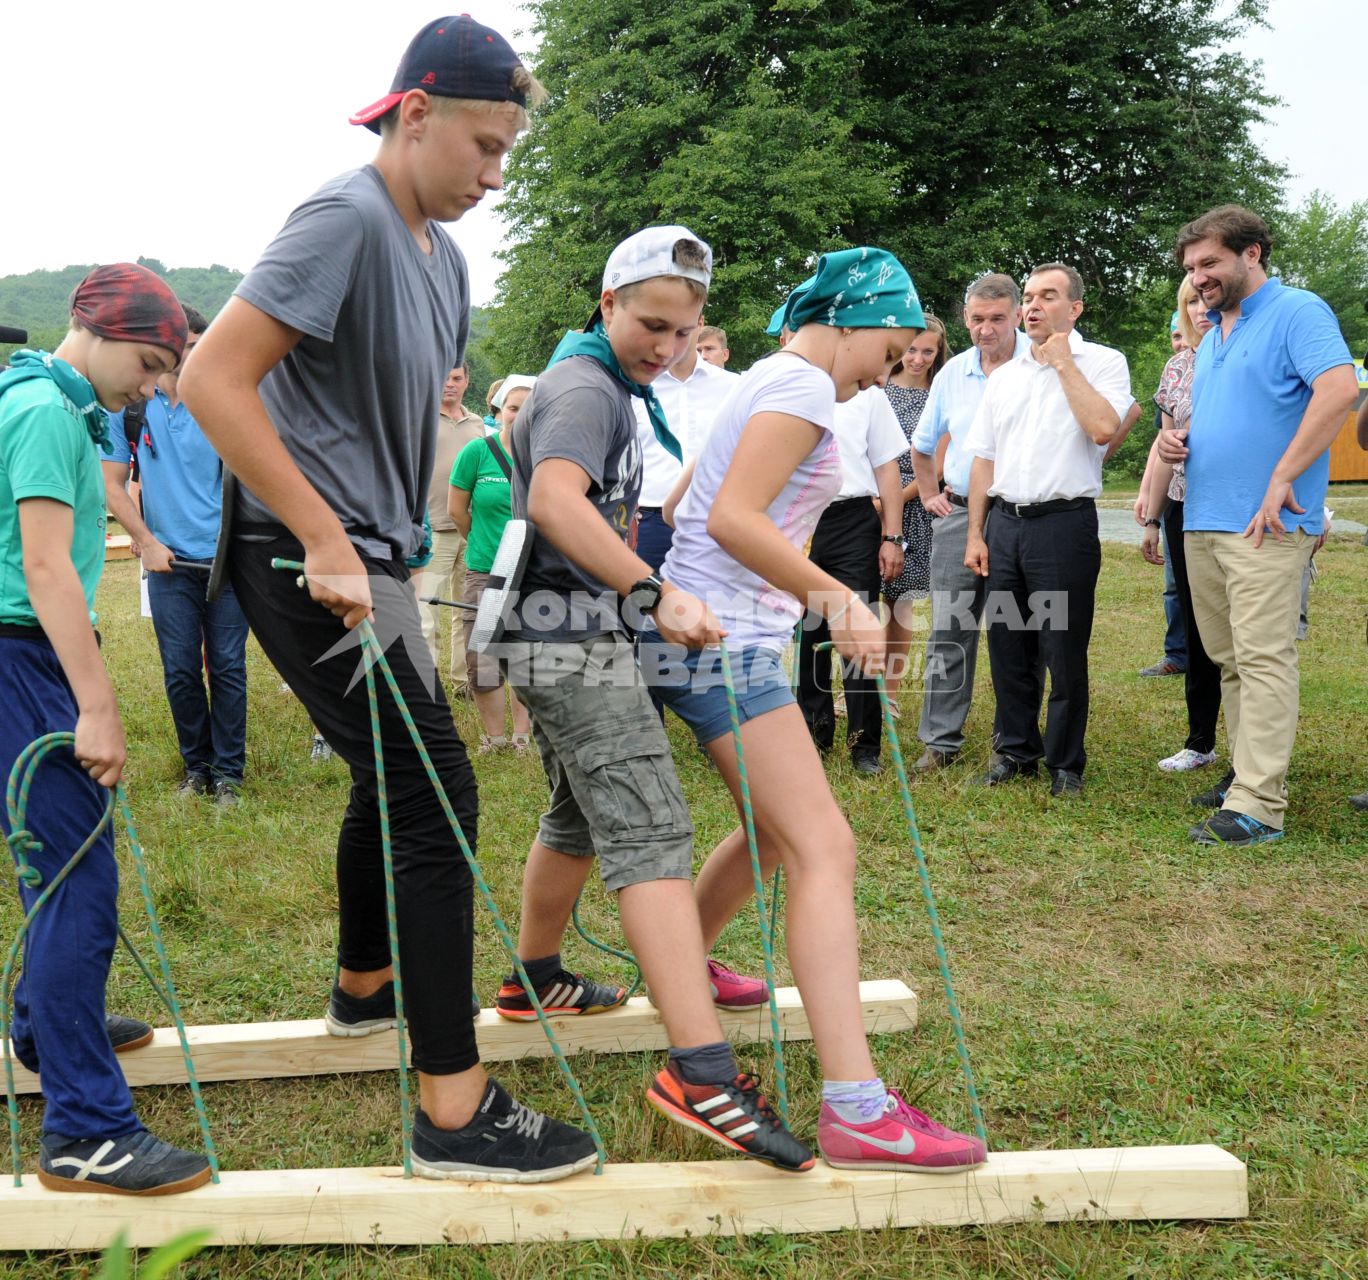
x: 732, y: 990
x: 901, y: 1138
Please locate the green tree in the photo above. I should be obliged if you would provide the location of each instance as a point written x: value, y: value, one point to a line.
x: 1324, y: 248
x: 962, y: 134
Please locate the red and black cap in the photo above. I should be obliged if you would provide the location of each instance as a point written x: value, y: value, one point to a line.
x: 452, y: 58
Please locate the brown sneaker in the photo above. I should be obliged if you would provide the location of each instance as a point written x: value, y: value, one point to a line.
x: 930, y: 760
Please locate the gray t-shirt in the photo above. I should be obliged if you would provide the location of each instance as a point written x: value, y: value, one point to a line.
x: 580, y: 412
x: 356, y: 401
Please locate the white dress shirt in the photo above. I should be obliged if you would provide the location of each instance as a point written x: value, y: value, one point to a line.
x: 1024, y: 424
x: 690, y: 406
x: 868, y: 435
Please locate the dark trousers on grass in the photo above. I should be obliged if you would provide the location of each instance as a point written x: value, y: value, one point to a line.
x: 59, y: 1001
x: 1054, y: 558
x: 1202, y: 679
x: 846, y: 545
x: 321, y: 662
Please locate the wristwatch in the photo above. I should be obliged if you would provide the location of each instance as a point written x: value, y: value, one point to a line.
x: 645, y: 595
x: 895, y: 540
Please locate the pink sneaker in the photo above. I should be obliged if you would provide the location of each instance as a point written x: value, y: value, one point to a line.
x: 732, y: 991
x: 901, y: 1138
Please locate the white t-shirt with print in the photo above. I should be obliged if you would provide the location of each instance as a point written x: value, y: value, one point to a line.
x: 751, y: 611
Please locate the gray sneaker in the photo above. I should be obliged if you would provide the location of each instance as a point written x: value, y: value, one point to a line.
x: 930, y: 760
x: 227, y: 793
x: 136, y: 1164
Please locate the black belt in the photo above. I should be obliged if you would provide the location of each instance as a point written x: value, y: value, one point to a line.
x: 1029, y: 510
x: 651, y: 511
x: 954, y: 499
x: 18, y: 631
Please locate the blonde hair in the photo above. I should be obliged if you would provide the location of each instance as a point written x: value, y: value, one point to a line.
x: 1188, y: 330
x: 523, y: 82
x: 492, y: 392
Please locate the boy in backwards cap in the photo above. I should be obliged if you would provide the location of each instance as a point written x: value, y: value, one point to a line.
x: 320, y: 385
x: 127, y: 329
x: 577, y: 476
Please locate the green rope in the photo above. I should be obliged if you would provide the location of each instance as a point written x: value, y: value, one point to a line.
x: 606, y: 949
x: 21, y: 841
x: 757, y: 876
x: 929, y: 898
x: 374, y: 656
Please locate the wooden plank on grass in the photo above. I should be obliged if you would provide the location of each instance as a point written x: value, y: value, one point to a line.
x: 377, y: 1206
x: 268, y: 1050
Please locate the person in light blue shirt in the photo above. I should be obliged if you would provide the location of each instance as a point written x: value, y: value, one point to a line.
x: 1272, y: 385
x: 991, y: 309
x: 176, y: 530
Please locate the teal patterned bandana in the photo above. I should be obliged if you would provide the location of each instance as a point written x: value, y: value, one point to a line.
x: 75, y: 386
x: 862, y: 288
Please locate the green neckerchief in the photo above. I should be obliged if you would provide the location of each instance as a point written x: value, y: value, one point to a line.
x: 593, y: 342
x: 76, y: 387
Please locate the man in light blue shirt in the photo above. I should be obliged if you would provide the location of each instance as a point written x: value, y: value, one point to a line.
x: 991, y: 310
x: 181, y: 488
x: 1272, y: 385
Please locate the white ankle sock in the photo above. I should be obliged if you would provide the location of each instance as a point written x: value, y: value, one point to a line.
x: 856, y: 1101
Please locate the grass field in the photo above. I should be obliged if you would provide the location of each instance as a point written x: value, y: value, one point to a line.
x: 1119, y: 985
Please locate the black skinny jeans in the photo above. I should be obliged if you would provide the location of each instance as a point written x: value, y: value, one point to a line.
x: 1202, y: 680
x: 432, y: 884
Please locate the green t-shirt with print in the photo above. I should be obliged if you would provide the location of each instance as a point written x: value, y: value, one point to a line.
x: 477, y: 471
x: 46, y: 452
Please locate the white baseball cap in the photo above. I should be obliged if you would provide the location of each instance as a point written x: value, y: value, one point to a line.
x: 650, y: 253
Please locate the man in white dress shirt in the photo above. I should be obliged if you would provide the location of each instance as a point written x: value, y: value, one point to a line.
x: 690, y: 392
x: 1039, y: 439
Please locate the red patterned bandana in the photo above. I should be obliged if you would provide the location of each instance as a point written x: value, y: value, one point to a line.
x: 127, y: 303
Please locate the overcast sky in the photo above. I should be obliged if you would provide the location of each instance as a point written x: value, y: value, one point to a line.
x: 190, y: 139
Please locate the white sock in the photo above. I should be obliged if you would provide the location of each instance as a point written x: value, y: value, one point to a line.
x: 856, y: 1101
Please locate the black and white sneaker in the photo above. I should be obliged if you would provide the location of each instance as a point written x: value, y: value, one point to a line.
x: 136, y: 1164
x: 505, y: 1142
x: 364, y: 1016
x: 360, y: 1015
x: 565, y: 995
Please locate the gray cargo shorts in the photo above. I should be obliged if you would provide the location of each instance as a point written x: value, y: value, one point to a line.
x: 614, y: 790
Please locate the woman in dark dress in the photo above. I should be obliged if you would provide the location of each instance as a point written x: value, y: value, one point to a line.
x: 907, y: 389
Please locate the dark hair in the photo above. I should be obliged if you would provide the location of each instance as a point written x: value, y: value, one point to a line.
x: 996, y: 286
x: 1075, y: 280
x: 1233, y: 225
x: 194, y: 321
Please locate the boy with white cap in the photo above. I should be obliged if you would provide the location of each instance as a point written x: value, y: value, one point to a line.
x: 614, y: 792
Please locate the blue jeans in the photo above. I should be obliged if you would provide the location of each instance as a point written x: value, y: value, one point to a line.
x: 1175, y: 636
x: 192, y: 634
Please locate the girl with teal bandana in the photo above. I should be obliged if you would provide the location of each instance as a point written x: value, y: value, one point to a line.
x: 127, y: 330
x: 742, y: 517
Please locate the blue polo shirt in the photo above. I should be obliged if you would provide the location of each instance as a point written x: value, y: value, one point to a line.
x: 956, y: 392
x: 1249, y: 392
x: 182, y: 485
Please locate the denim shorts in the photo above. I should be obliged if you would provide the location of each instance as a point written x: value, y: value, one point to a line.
x: 691, y: 684
x: 614, y: 791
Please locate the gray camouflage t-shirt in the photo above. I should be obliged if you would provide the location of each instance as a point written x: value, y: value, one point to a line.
x: 580, y: 412
x: 356, y: 401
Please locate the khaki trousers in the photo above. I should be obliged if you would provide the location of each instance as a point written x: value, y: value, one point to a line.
x: 444, y: 575
x: 1246, y: 601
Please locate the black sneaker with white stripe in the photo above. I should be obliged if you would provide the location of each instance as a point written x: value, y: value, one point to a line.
x: 136, y: 1164
x: 504, y: 1142
x: 566, y: 994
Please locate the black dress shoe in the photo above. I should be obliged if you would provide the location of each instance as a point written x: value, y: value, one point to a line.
x: 866, y: 762
x: 1004, y: 769
x: 1360, y: 802
x: 1066, y: 784
x: 1214, y: 797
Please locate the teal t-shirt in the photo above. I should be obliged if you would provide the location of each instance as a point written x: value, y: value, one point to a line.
x: 477, y: 471
x: 46, y: 452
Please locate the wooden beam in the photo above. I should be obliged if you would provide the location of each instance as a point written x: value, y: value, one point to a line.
x: 376, y: 1206
x: 267, y: 1050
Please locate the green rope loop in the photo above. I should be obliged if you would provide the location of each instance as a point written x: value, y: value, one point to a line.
x: 16, y: 803
x: 929, y: 898
x: 757, y: 876
x: 626, y: 956
x: 374, y: 656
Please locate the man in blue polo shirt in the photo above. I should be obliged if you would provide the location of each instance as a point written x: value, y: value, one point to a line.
x: 1271, y: 388
x: 992, y: 307
x: 182, y: 482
